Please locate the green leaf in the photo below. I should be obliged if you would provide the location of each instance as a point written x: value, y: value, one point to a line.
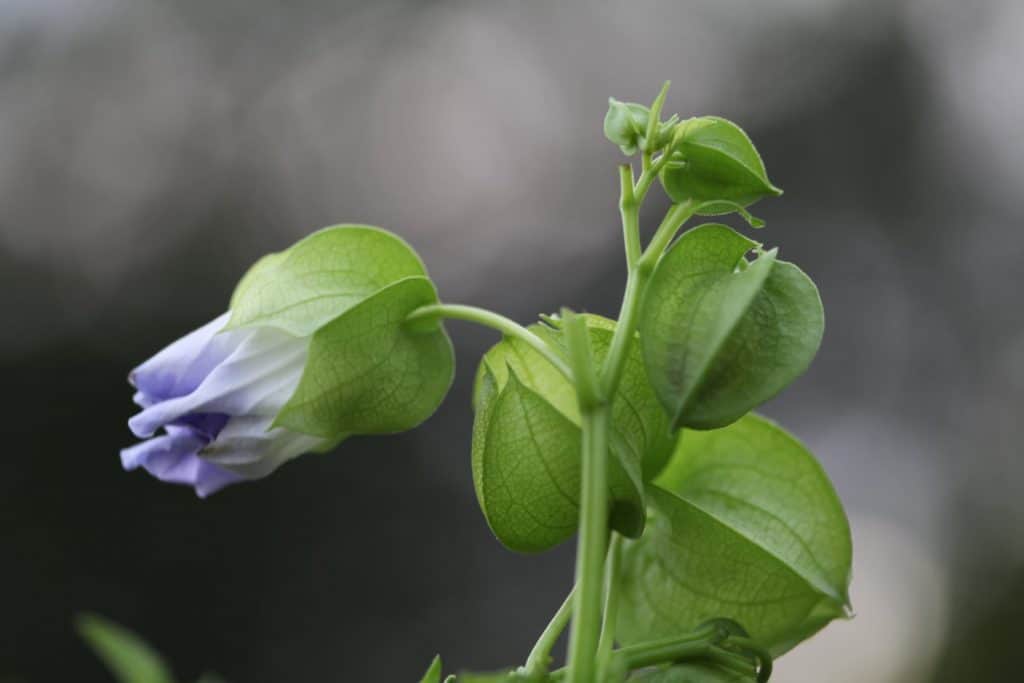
x: 715, y: 161
x: 126, y: 655
x: 526, y: 442
x: 746, y: 526
x: 433, y: 674
x: 320, y: 277
x: 693, y: 672
x: 721, y: 335
x: 370, y: 372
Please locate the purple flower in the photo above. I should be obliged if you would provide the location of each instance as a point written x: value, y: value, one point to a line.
x: 208, y: 402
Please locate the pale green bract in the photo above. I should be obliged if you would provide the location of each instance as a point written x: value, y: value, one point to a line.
x: 320, y: 277
x: 370, y: 372
x: 746, y: 526
x: 526, y: 442
x: 349, y: 288
x: 720, y: 335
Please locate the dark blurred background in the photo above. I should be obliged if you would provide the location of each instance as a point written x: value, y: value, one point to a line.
x: 150, y: 151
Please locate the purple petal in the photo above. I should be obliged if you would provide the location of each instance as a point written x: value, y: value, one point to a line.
x: 181, y: 367
x: 174, y: 458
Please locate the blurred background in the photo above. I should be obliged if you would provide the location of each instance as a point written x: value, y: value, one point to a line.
x: 151, y: 150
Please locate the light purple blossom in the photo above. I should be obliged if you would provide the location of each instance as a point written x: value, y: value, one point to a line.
x: 208, y: 401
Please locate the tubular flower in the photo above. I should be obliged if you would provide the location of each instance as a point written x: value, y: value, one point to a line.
x: 314, y: 348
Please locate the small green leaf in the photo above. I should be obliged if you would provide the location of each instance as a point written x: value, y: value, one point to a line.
x: 369, y: 372
x: 721, y: 335
x: 433, y: 674
x: 320, y: 277
x: 746, y: 526
x: 692, y: 672
x: 126, y: 655
x: 715, y: 161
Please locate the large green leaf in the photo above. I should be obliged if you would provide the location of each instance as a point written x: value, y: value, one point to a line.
x: 369, y: 371
x: 531, y: 430
x: 715, y: 163
x: 746, y: 526
x: 320, y: 277
x: 127, y: 656
x: 721, y: 335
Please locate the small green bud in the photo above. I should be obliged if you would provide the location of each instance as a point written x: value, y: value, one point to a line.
x: 625, y: 124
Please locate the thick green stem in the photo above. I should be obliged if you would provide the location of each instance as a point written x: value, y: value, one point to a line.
x: 593, y: 537
x: 539, y: 660
x: 495, y: 321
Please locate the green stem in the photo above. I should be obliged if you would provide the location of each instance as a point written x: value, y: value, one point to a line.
x: 667, y: 649
x: 700, y: 643
x: 593, y: 533
x: 495, y: 321
x: 629, y: 209
x: 590, y: 551
x: 539, y: 660
x: 611, y: 607
x: 674, y: 219
x: 625, y: 329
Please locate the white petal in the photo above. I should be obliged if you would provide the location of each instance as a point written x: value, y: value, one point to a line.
x: 247, y: 447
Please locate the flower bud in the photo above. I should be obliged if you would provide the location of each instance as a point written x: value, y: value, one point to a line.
x: 625, y: 124
x: 314, y: 349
